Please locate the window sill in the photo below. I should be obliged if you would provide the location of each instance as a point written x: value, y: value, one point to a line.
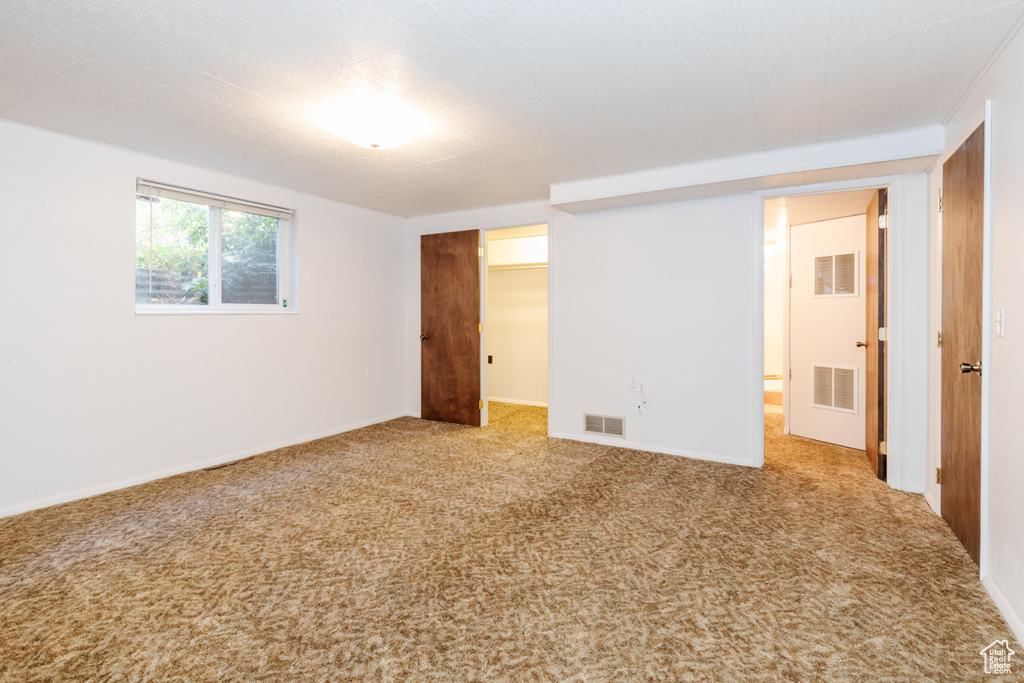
x: 172, y: 309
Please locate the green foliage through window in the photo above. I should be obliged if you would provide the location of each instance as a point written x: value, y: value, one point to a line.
x: 172, y: 242
x: 172, y: 254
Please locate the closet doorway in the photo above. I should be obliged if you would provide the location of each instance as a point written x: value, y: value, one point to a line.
x: 516, y: 315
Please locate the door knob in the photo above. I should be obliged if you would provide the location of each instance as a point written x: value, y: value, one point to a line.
x: 424, y: 337
x: 860, y: 344
x: 967, y: 367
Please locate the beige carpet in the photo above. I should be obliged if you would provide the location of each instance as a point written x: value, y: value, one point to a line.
x: 416, y: 551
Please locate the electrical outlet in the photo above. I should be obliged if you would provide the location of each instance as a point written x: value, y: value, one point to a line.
x: 641, y: 385
x: 633, y: 384
x: 369, y: 373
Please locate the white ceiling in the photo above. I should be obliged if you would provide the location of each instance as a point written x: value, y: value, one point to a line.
x: 526, y: 93
x: 780, y: 212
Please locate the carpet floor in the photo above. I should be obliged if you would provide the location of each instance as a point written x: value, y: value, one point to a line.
x: 419, y: 551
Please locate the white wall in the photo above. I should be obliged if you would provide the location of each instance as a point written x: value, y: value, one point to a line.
x: 662, y: 292
x: 775, y: 281
x: 517, y: 334
x: 94, y: 397
x: 1003, y: 544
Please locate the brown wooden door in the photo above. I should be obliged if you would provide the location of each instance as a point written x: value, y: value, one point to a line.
x: 874, y: 398
x: 963, y: 183
x: 450, y: 319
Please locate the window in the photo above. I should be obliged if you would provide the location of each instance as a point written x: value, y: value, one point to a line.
x: 201, y: 252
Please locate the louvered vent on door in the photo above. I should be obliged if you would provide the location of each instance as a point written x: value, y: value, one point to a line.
x: 846, y: 274
x: 822, y: 275
x: 835, y: 274
x: 822, y: 386
x: 844, y: 388
x: 835, y: 388
x: 604, y: 424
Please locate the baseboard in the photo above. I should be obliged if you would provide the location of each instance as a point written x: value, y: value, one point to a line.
x: 515, y: 401
x: 932, y: 503
x: 1013, y: 620
x: 79, y: 494
x: 622, y: 443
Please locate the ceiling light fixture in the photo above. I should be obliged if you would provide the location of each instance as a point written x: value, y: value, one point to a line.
x: 376, y: 120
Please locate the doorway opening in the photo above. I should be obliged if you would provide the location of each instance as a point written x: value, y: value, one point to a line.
x: 824, y: 317
x: 516, y: 316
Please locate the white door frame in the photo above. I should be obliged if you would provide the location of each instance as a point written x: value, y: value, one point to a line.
x: 547, y: 221
x: 894, y: 355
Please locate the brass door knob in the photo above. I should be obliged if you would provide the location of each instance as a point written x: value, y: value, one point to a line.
x: 967, y: 367
x: 860, y: 344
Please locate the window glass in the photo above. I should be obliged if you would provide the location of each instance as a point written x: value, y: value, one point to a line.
x: 248, y: 258
x: 172, y: 241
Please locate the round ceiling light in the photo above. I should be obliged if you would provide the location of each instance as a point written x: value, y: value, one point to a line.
x: 376, y: 120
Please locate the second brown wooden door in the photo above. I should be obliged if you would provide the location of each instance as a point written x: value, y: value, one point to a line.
x: 450, y: 327
x: 963, y: 181
x: 874, y: 394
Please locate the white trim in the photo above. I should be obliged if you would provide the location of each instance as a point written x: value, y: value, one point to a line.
x: 519, y: 266
x: 516, y: 401
x: 894, y: 337
x: 787, y: 328
x: 184, y: 309
x: 932, y: 503
x: 551, y: 316
x: 629, y: 187
x: 953, y: 146
x: 986, y: 341
x: 78, y: 494
x: 894, y: 237
x: 1013, y: 620
x: 619, y: 442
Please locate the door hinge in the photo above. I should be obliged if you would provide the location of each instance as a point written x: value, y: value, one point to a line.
x: 790, y: 281
x: 938, y: 475
x: 480, y: 250
x: 882, y: 334
x: 481, y: 327
x: 883, y: 222
x: 481, y: 404
x: 940, y: 340
x: 883, y: 448
x: 942, y: 206
x: 791, y: 373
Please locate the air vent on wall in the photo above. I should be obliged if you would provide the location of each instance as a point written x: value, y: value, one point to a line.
x: 835, y: 388
x: 604, y: 424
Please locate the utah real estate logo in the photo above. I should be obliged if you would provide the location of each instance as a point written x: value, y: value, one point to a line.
x: 997, y: 657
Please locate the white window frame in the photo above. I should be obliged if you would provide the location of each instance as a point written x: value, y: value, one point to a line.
x: 217, y: 204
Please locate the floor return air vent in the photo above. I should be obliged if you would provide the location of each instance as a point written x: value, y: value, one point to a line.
x: 604, y: 424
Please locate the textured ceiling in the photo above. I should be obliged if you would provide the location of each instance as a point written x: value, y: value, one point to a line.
x: 524, y: 93
x: 780, y: 212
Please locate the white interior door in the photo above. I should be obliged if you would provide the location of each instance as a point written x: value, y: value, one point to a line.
x: 827, y: 313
